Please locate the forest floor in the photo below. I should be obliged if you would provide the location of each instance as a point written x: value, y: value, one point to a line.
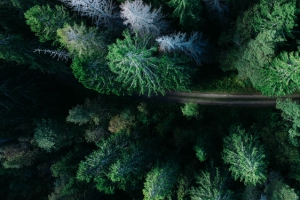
x: 225, y: 99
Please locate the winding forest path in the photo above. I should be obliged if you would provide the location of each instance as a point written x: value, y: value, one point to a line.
x: 224, y: 99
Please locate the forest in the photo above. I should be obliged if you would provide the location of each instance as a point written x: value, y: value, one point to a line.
x: 77, y: 121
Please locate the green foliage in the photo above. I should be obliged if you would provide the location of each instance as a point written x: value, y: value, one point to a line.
x: 52, y: 136
x: 139, y: 71
x: 96, y: 165
x: 122, y: 122
x: 94, y: 74
x: 45, y: 21
x: 278, y: 190
x: 245, y: 156
x: 92, y: 111
x: 160, y: 182
x: 291, y: 112
x: 190, y: 110
x: 80, y: 40
x: 212, y: 185
x: 132, y: 165
x: 200, y: 153
x: 281, y: 76
x: 189, y: 12
x: 17, y: 155
x: 278, y: 15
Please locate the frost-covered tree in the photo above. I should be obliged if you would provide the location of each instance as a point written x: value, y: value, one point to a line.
x: 103, y: 12
x: 193, y: 47
x: 142, y: 19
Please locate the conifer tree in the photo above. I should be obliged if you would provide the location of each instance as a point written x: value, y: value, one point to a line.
x: 45, y: 21
x: 102, y: 12
x: 160, y: 182
x: 211, y: 186
x: 281, y: 76
x: 50, y: 135
x: 139, y: 71
x: 189, y: 12
x: 142, y: 19
x: 245, y: 157
x: 291, y: 112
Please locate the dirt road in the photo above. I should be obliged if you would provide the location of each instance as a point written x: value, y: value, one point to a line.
x: 221, y: 99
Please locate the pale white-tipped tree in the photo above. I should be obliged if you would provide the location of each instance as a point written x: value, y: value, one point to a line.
x: 142, y: 19
x: 103, y: 12
x: 193, y: 47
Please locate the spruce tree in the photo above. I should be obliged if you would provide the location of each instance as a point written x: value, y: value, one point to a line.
x: 245, y: 157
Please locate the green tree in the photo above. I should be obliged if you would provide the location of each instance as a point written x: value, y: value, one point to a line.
x: 80, y: 40
x: 291, y: 113
x: 139, y: 71
x: 51, y: 136
x: 160, y: 182
x: 97, y: 164
x: 245, y: 157
x: 281, y: 76
x: 189, y: 12
x: 212, y: 185
x: 45, y: 21
x: 190, y: 110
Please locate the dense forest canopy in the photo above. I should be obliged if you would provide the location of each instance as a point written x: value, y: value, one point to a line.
x: 77, y: 121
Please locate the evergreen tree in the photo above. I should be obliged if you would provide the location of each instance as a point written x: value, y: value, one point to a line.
x: 211, y: 186
x: 102, y: 12
x: 190, y: 110
x: 142, y: 19
x: 291, y: 112
x: 45, y: 21
x: 189, y: 12
x: 193, y: 47
x: 160, y: 181
x: 139, y: 71
x: 281, y: 76
x: 245, y: 157
x: 51, y: 136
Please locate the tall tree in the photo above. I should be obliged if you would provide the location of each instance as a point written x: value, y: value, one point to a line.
x: 160, y: 181
x: 245, y: 157
x: 142, y: 19
x: 102, y: 12
x: 139, y: 71
x: 212, y: 185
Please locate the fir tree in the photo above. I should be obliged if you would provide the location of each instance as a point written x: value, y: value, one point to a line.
x: 245, y: 157
x: 211, y: 186
x: 160, y: 182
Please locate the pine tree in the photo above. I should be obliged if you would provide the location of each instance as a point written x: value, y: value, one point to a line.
x: 245, y: 157
x: 139, y: 71
x: 81, y: 41
x: 45, y: 21
x: 189, y: 12
x: 102, y: 12
x: 211, y: 186
x: 50, y: 135
x: 193, y: 47
x: 142, y: 19
x: 281, y: 76
x: 291, y: 113
x: 160, y: 182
